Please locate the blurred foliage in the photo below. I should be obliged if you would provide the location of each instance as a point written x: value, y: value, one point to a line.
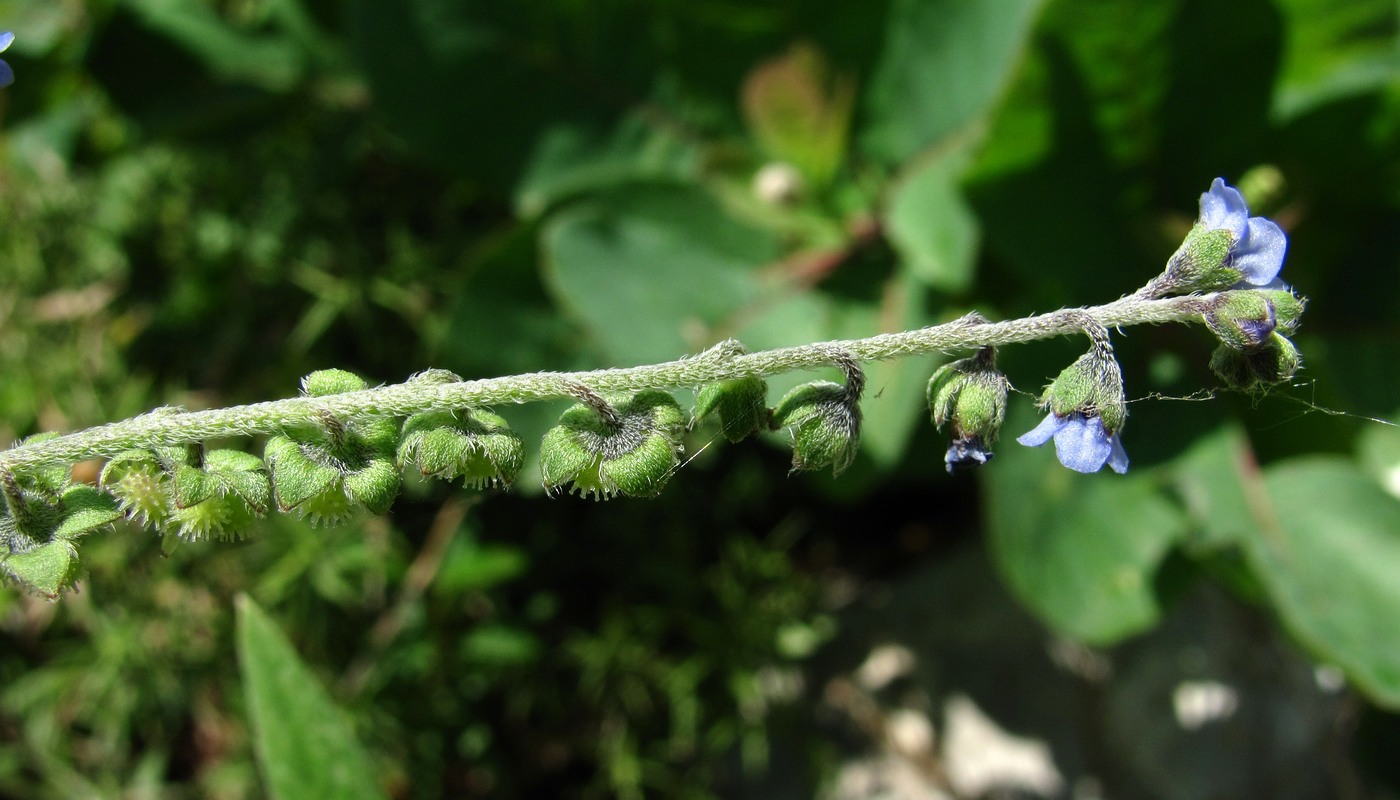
x: 203, y: 200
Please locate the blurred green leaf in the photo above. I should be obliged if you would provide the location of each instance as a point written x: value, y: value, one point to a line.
x: 572, y: 159
x: 653, y: 270
x: 472, y: 566
x: 1215, y: 479
x: 499, y: 645
x: 1329, y: 553
x: 1080, y: 551
x: 800, y: 112
x: 272, y: 62
x: 305, y: 746
x: 1335, y: 50
x: 943, y: 65
x: 931, y: 225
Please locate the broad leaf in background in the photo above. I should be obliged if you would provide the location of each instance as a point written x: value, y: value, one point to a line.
x: 653, y: 270
x: 800, y: 112
x: 944, y: 63
x: 931, y: 225
x: 304, y: 744
x: 1081, y: 551
x: 571, y: 159
x: 1329, y: 554
x: 1217, y: 480
x: 1334, y: 50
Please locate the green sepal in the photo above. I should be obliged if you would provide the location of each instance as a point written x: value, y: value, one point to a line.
x: 48, y: 480
x: 971, y: 394
x: 47, y: 569
x: 374, y: 486
x: 1202, y: 263
x: 295, y: 477
x: 1093, y: 386
x: 825, y: 423
x: 476, y: 445
x: 193, y: 486
x: 84, y: 509
x: 1274, y: 362
x: 242, y: 474
x: 740, y: 404
x: 1288, y: 309
x: 324, y: 382
x: 1244, y: 319
x: 634, y: 458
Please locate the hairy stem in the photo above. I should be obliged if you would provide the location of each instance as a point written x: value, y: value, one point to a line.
x: 169, y: 427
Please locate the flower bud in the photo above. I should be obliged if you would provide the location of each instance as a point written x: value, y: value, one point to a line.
x: 220, y: 495
x: 825, y: 422
x: 475, y: 445
x: 971, y: 394
x: 334, y: 468
x: 741, y: 406
x: 1243, y: 320
x: 601, y: 449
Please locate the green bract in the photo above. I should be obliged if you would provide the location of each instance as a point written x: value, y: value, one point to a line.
x: 634, y: 455
x: 741, y: 406
x: 825, y: 422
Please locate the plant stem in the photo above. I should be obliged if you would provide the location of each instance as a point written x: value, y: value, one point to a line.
x: 169, y: 427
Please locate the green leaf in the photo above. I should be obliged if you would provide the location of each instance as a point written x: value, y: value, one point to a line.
x: 1080, y: 551
x: 943, y: 65
x: 304, y: 744
x: 1329, y: 554
x: 572, y: 159
x: 931, y: 225
x: 653, y: 269
x: 800, y: 111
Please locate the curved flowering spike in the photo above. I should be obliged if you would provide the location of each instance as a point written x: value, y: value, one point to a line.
x: 1275, y: 361
x: 971, y: 394
x: 1226, y: 247
x: 1086, y: 410
x: 601, y: 449
x: 475, y: 445
x: 825, y: 420
x: 7, y: 75
x: 332, y: 470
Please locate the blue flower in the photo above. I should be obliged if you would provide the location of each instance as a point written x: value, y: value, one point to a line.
x: 966, y: 452
x: 1081, y: 442
x: 7, y: 75
x: 1257, y: 244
